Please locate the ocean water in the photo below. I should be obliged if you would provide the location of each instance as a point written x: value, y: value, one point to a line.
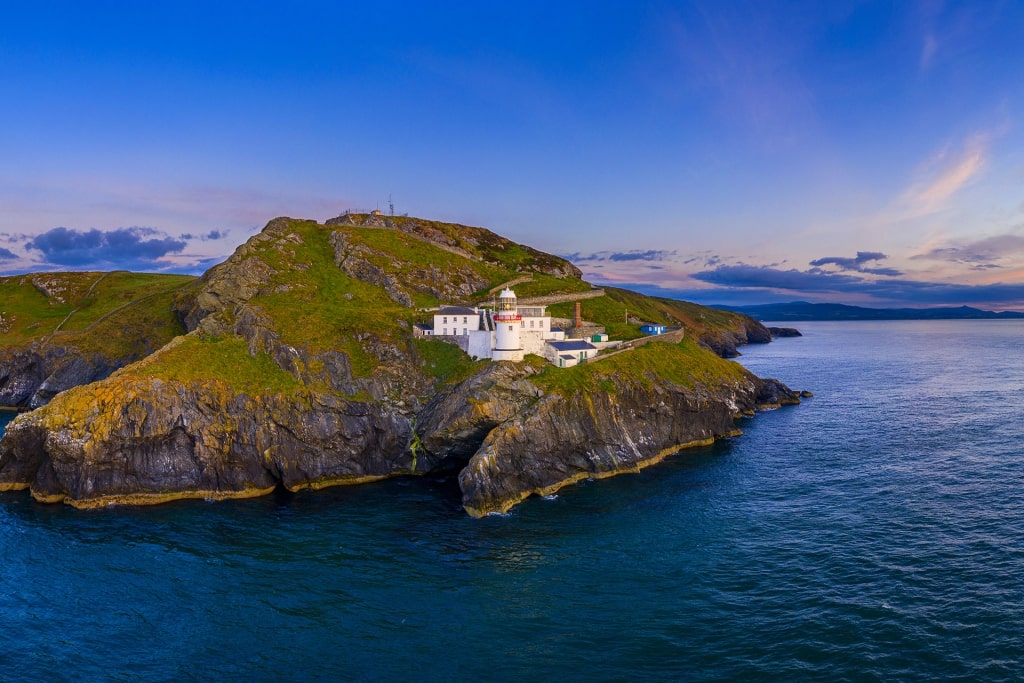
x: 875, y: 532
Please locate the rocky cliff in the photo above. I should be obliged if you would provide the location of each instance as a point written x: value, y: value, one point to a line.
x: 299, y: 369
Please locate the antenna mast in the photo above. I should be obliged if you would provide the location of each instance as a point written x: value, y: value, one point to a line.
x: 391, y: 205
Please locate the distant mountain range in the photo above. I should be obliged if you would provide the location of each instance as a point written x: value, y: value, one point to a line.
x: 803, y: 310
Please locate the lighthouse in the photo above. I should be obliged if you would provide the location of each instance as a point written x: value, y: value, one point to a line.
x: 507, y: 322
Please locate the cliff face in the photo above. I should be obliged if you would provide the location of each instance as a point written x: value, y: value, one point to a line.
x: 521, y: 440
x: 141, y: 442
x: 300, y: 369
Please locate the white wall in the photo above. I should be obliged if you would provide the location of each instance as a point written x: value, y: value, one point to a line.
x: 480, y: 343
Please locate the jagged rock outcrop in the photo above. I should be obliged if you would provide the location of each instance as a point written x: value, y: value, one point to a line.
x: 236, y: 280
x: 31, y: 376
x: 725, y: 342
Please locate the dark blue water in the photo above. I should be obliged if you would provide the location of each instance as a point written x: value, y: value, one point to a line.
x: 874, y: 533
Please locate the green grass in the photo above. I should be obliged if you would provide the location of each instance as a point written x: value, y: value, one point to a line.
x: 685, y: 364
x: 118, y: 289
x: 133, y: 331
x: 410, y: 260
x: 26, y: 312
x: 544, y: 285
x: 224, y: 359
x: 119, y: 305
x: 445, y: 362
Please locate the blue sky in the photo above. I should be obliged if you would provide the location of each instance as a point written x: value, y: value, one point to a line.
x: 725, y: 152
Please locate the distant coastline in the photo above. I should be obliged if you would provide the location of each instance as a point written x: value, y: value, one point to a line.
x: 805, y: 311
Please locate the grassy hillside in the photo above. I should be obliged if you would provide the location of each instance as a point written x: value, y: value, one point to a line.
x: 116, y: 312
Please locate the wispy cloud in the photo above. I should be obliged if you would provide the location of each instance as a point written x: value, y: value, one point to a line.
x: 945, y: 175
x: 930, y: 45
x: 979, y: 254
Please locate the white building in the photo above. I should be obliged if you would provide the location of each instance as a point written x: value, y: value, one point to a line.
x: 456, y: 321
x: 566, y: 354
x: 506, y: 333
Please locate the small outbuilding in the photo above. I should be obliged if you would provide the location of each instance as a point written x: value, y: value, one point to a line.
x: 651, y: 328
x: 577, y: 351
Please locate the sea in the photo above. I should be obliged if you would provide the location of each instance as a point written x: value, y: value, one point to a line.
x: 873, y: 533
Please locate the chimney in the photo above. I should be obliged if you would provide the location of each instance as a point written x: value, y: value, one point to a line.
x: 578, y: 322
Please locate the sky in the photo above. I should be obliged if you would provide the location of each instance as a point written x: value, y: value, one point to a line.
x: 730, y: 152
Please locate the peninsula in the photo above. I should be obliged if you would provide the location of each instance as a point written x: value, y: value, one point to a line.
x: 312, y: 357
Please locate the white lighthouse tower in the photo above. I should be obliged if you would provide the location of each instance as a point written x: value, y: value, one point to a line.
x: 507, y: 322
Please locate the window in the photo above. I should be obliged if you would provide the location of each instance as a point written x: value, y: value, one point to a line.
x: 444, y: 331
x: 446, y: 320
x: 541, y: 325
x: 531, y: 323
x: 510, y: 328
x: 464, y: 320
x: 465, y: 330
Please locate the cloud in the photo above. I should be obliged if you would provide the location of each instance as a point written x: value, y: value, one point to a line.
x: 637, y: 255
x: 631, y: 255
x: 881, y: 292
x: 928, y: 49
x: 7, y: 255
x: 766, y: 277
x: 857, y: 264
x: 212, y: 235
x: 132, y: 248
x: 945, y: 175
x: 979, y: 254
